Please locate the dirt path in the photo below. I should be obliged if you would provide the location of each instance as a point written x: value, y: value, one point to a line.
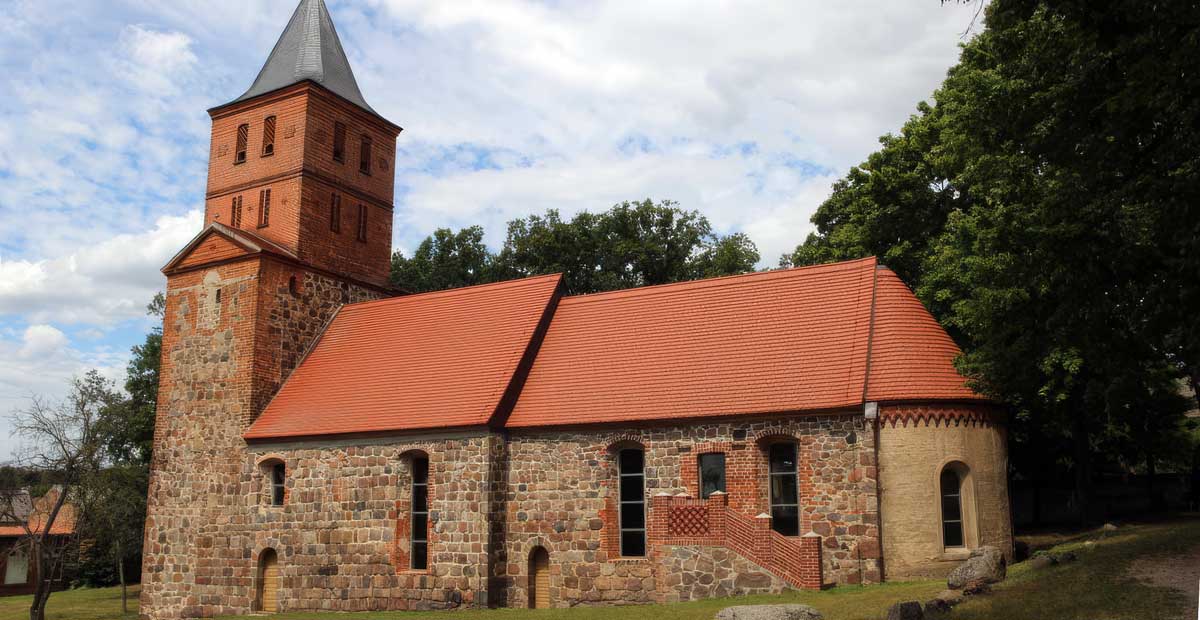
x: 1181, y: 572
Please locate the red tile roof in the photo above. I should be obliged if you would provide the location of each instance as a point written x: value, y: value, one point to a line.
x: 772, y: 341
x: 912, y: 357
x: 435, y: 360
x: 805, y: 339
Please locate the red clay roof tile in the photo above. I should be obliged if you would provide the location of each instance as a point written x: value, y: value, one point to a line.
x: 435, y: 360
x: 912, y: 357
x: 773, y: 341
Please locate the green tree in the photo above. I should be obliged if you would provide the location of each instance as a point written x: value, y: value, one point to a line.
x: 60, y: 440
x: 445, y: 259
x: 113, y: 500
x: 1045, y: 209
x: 728, y: 255
x: 128, y: 425
x: 632, y: 244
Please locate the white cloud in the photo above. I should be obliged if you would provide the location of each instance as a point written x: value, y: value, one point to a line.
x: 101, y: 284
x: 42, y: 341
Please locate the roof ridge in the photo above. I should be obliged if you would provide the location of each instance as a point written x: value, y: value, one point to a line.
x: 453, y: 291
x: 714, y: 281
x: 871, y: 327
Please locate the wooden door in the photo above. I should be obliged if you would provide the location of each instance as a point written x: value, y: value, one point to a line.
x: 539, y: 579
x: 268, y: 583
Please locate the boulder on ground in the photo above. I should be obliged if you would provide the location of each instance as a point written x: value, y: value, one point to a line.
x: 1109, y: 527
x: 1065, y: 556
x: 769, y: 612
x: 1042, y: 561
x: 975, y: 588
x: 937, y: 606
x: 908, y: 610
x: 986, y: 565
x: 950, y: 597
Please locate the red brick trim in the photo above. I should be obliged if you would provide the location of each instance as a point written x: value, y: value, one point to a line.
x: 938, y: 415
x: 681, y: 520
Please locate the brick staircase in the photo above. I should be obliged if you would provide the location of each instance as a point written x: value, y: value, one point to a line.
x: 683, y: 520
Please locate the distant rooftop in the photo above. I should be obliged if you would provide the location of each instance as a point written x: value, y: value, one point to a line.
x: 308, y: 49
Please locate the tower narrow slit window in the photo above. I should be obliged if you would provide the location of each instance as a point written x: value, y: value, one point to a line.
x: 235, y: 215
x: 362, y: 223
x: 632, y: 492
x: 952, y: 522
x: 339, y: 142
x: 712, y: 474
x: 335, y: 213
x: 785, y: 495
x: 278, y: 476
x: 420, y: 514
x: 364, y: 155
x: 268, y: 148
x: 264, y: 208
x: 243, y: 135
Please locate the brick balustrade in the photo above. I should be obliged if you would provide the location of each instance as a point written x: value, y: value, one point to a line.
x: 684, y: 520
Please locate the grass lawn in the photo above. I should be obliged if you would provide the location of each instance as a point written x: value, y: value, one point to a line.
x: 1097, y: 586
x: 82, y: 604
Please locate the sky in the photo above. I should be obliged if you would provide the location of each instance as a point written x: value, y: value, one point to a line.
x: 746, y: 111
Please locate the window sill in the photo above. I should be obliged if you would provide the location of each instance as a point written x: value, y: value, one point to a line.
x: 625, y: 559
x: 266, y: 155
x: 238, y: 163
x: 955, y: 554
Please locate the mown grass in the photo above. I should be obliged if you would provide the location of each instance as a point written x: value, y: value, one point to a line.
x: 80, y: 604
x: 1095, y: 587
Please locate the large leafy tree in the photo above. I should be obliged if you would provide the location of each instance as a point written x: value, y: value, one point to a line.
x: 1046, y: 211
x: 445, y: 259
x: 631, y: 244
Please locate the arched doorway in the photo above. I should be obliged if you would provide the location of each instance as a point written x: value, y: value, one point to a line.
x: 267, y: 597
x: 539, y: 579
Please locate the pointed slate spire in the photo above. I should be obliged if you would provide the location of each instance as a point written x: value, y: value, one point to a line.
x: 308, y: 49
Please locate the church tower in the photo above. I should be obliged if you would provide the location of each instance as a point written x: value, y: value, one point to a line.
x: 297, y: 223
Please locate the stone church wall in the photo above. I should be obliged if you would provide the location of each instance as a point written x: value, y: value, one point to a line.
x: 561, y: 487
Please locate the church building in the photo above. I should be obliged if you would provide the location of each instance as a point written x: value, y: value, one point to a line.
x: 324, y: 442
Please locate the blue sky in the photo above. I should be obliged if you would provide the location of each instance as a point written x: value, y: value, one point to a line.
x: 746, y: 111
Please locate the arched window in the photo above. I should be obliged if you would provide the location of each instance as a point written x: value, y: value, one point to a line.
x: 335, y: 213
x: 364, y: 155
x: 243, y: 135
x: 952, y: 514
x: 420, y: 514
x: 264, y: 208
x: 712, y: 474
x: 362, y: 223
x: 339, y: 142
x: 785, y: 491
x: 268, y: 148
x: 632, y: 474
x: 278, y: 478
